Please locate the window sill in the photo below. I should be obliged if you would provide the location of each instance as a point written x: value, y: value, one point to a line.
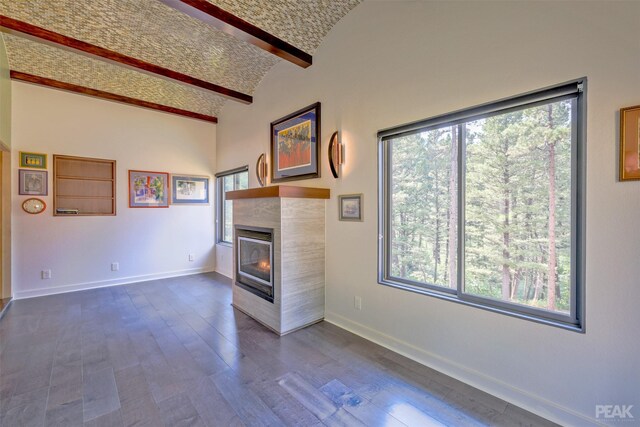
x: 226, y: 244
x: 453, y: 298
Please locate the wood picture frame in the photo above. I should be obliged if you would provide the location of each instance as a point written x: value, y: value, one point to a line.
x: 189, y: 189
x: 295, y: 145
x: 350, y: 207
x: 33, y: 160
x: 630, y: 143
x: 148, y: 189
x: 33, y: 182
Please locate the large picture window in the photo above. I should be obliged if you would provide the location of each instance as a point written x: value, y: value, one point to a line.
x: 485, y: 206
x: 236, y: 179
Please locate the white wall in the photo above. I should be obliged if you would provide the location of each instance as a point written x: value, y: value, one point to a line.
x: 388, y: 63
x: 148, y: 243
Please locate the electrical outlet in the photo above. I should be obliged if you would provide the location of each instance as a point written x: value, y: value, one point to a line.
x: 357, y: 302
x: 115, y: 266
x: 192, y: 257
x: 46, y: 274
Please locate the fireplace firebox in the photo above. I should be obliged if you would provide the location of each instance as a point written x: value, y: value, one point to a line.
x: 254, y: 260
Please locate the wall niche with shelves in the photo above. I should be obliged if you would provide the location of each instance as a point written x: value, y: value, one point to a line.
x: 83, y: 186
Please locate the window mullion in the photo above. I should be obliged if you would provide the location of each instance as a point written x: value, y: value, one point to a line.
x: 461, y: 212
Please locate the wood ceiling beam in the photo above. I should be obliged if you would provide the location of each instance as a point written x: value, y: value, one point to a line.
x: 241, y: 29
x: 11, y: 26
x: 43, y: 81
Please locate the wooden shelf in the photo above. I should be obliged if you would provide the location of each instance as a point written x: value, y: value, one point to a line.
x: 279, y: 191
x: 83, y: 178
x: 65, y: 196
x: 84, y: 184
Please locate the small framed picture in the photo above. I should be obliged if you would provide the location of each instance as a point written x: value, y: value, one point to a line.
x: 33, y: 160
x: 189, y: 190
x: 630, y: 143
x: 148, y: 189
x: 350, y: 207
x: 32, y: 183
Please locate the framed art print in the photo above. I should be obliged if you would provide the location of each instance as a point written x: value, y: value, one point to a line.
x: 148, y: 189
x: 350, y: 207
x: 32, y: 183
x: 295, y: 145
x: 189, y: 190
x: 630, y: 143
x: 33, y: 160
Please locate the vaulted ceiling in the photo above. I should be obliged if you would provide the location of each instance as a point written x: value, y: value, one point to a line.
x: 185, y: 57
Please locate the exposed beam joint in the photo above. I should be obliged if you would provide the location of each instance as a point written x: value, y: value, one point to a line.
x: 43, y: 81
x: 11, y: 26
x: 241, y: 29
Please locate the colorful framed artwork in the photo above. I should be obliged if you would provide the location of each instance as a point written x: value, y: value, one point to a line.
x: 189, y: 190
x: 350, y: 207
x: 32, y: 183
x: 630, y: 143
x: 295, y: 145
x: 33, y: 160
x: 148, y: 189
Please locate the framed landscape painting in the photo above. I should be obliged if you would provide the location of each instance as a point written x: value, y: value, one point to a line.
x: 295, y: 145
x: 148, y: 189
x: 189, y: 190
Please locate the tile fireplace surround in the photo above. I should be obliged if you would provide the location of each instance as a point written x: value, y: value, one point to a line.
x: 296, y: 215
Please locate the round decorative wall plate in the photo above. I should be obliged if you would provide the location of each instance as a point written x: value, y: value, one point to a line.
x: 34, y: 206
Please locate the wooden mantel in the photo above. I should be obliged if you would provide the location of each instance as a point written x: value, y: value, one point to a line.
x: 279, y: 191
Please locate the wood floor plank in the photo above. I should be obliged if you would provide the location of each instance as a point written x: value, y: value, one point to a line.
x: 27, y: 414
x: 212, y: 407
x: 100, y: 394
x: 138, y: 407
x: 290, y: 411
x: 178, y: 411
x: 249, y: 407
x: 68, y: 414
x: 365, y: 411
x: 310, y: 397
x: 112, y: 419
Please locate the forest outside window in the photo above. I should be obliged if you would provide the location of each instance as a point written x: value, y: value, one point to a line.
x: 235, y: 179
x: 485, y: 206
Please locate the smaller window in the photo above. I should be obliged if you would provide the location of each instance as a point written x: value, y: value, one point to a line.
x: 235, y: 179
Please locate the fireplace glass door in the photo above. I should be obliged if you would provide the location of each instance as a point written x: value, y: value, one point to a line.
x: 253, y: 262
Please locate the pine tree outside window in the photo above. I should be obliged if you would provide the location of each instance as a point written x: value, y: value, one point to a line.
x: 485, y: 206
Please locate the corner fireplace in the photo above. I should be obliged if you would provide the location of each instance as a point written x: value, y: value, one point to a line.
x: 254, y: 260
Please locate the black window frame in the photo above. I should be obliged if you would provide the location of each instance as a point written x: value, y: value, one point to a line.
x: 220, y: 201
x: 575, y: 89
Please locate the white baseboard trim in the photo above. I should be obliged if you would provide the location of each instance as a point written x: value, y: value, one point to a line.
x: 533, y: 403
x: 226, y: 274
x: 105, y: 283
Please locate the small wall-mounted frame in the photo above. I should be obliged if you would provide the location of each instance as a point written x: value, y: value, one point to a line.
x: 630, y: 143
x: 350, y: 207
x: 295, y: 145
x: 148, y: 189
x: 189, y: 190
x: 261, y: 170
x: 33, y: 183
x: 33, y: 160
x: 336, y: 154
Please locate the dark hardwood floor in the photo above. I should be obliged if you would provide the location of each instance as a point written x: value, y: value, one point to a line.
x: 174, y: 352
